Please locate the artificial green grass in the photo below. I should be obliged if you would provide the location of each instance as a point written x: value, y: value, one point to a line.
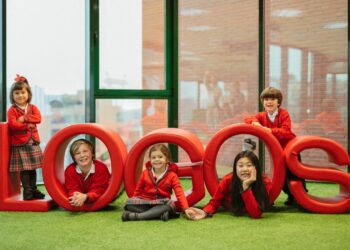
x: 281, y: 228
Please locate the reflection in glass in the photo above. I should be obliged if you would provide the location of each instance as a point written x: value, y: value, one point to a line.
x: 132, y: 118
x: 218, y: 69
x: 313, y: 63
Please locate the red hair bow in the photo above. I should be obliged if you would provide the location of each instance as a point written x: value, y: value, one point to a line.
x: 20, y: 78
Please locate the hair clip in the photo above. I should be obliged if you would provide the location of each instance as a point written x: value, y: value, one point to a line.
x: 20, y: 78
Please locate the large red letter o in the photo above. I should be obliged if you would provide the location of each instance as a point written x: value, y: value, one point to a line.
x: 186, y: 140
x: 53, y: 172
x: 275, y: 149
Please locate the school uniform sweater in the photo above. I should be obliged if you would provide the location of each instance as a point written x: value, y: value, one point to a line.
x: 280, y: 127
x: 21, y: 133
x: 222, y: 197
x: 94, y: 186
x: 149, y: 188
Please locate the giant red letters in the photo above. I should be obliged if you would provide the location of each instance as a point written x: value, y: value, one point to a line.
x: 337, y: 154
x: 186, y: 140
x: 54, y: 158
x: 10, y: 189
x: 128, y: 165
x: 271, y: 142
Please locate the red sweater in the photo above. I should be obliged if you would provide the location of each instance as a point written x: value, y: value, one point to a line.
x: 149, y: 188
x: 280, y: 128
x: 20, y: 133
x: 94, y: 186
x: 222, y: 197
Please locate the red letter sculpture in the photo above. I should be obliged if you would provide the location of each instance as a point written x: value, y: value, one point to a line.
x: 338, y: 155
x: 53, y: 172
x: 10, y: 187
x: 275, y: 149
x: 186, y: 140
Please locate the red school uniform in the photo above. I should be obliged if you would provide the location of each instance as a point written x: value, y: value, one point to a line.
x: 280, y: 127
x: 149, y: 188
x: 94, y: 185
x: 21, y: 133
x: 222, y: 197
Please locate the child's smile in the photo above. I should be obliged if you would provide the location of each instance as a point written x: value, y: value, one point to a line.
x: 158, y: 160
x: 270, y: 105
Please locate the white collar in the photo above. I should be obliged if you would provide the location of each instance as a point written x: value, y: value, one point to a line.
x: 92, y: 170
x: 161, y: 175
x: 273, y: 115
x: 24, y: 108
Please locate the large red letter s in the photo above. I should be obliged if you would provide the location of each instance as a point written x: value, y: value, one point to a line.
x: 338, y: 155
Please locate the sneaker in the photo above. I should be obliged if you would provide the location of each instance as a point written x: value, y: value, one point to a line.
x: 165, y: 216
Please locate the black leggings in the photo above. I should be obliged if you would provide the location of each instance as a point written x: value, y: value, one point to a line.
x: 148, y: 212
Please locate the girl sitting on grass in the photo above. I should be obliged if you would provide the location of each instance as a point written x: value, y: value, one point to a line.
x: 245, y: 190
x: 151, y: 199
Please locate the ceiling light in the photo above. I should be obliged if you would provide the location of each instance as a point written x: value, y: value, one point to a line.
x: 286, y: 13
x: 192, y: 12
x: 200, y: 28
x: 335, y: 25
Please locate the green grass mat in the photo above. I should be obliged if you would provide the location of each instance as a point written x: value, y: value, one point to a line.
x: 282, y: 228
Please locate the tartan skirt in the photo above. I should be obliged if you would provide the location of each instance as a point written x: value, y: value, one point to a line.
x: 140, y: 201
x: 25, y: 157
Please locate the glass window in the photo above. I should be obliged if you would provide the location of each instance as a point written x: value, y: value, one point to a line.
x: 132, y: 44
x: 132, y: 118
x: 51, y: 57
x: 218, y: 66
x: 314, y: 84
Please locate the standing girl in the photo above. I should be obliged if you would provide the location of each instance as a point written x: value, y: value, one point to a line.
x: 26, y: 155
x: 245, y: 190
x: 151, y: 199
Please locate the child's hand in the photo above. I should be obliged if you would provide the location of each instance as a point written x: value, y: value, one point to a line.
x: 257, y: 124
x: 78, y: 199
x: 267, y: 129
x: 21, y: 119
x: 246, y: 183
x: 193, y: 213
x: 31, y: 125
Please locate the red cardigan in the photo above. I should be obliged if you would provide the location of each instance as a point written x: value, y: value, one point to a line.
x: 20, y: 133
x: 280, y: 128
x: 222, y: 197
x: 94, y: 186
x: 149, y: 189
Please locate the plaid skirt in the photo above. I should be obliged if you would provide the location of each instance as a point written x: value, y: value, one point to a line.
x: 140, y: 201
x: 25, y: 157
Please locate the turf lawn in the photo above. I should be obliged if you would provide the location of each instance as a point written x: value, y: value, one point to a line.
x: 281, y: 228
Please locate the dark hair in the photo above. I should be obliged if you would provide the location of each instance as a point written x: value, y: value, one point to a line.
x: 18, y: 85
x: 75, y: 146
x: 162, y: 148
x: 271, y: 92
x: 257, y: 187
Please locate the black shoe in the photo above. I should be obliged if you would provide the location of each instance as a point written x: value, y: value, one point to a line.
x: 165, y: 216
x: 38, y: 195
x: 125, y: 216
x: 290, y: 201
x: 27, y: 194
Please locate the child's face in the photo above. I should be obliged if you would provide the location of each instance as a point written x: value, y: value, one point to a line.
x: 20, y: 97
x: 83, y: 156
x: 244, y: 168
x: 158, y: 160
x: 270, y: 105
